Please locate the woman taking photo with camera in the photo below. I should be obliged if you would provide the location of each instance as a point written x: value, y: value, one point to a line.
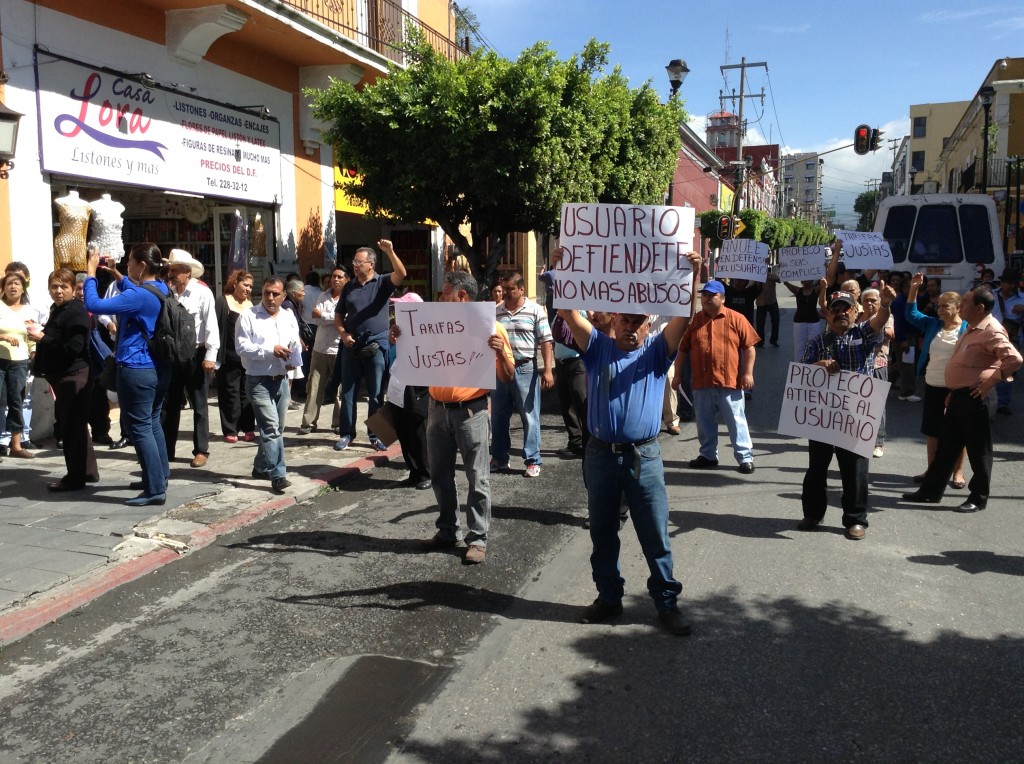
x: 141, y: 384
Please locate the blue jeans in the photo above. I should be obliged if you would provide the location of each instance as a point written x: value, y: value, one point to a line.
x: 708, y: 402
x: 355, y: 370
x: 141, y: 393
x: 13, y: 380
x: 269, y: 398
x: 639, y: 475
x: 523, y: 395
x: 462, y: 430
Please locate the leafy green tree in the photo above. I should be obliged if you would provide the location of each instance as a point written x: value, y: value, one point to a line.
x: 864, y: 205
x: 775, y: 232
x: 497, y: 145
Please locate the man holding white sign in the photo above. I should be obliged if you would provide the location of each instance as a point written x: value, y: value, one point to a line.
x: 625, y: 386
x: 458, y: 423
x: 844, y: 346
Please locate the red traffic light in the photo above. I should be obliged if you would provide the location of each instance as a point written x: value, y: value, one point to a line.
x: 725, y: 227
x: 862, y: 139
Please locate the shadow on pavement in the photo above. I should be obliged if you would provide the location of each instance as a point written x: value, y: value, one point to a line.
x: 975, y: 561
x: 773, y: 680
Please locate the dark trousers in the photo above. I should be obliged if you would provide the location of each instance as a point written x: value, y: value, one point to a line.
x: 965, y: 424
x: 411, y: 428
x: 71, y: 408
x: 188, y: 382
x: 764, y: 311
x: 235, y: 410
x: 853, y: 470
x: 99, y: 410
x: 571, y: 386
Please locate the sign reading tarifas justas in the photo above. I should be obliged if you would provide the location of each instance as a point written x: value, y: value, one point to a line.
x: 843, y: 409
x: 742, y: 259
x: 802, y: 263
x: 865, y: 250
x: 625, y: 259
x: 445, y: 344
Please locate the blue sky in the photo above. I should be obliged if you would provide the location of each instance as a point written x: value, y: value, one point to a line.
x: 831, y: 65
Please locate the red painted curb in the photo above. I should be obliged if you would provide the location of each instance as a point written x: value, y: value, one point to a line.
x: 24, y: 621
x: 35, y: 615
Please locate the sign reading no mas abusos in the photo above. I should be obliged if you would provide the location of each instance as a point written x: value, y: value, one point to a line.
x: 843, y: 409
x: 625, y: 258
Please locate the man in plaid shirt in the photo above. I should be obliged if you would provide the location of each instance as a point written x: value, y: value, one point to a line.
x: 844, y: 346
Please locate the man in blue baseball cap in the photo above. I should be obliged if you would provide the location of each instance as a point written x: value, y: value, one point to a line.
x: 720, y: 346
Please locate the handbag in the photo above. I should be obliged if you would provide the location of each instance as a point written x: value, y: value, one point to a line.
x: 108, y: 376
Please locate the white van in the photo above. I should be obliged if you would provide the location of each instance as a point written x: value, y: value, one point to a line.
x: 953, y: 237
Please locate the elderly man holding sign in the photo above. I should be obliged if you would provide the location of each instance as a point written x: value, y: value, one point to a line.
x: 845, y: 346
x: 625, y: 384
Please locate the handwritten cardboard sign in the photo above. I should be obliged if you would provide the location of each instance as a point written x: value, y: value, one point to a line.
x: 625, y: 258
x: 802, y: 263
x: 445, y: 344
x: 865, y: 250
x: 843, y: 409
x: 742, y: 259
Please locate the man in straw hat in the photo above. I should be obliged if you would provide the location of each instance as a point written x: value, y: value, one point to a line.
x: 183, y: 272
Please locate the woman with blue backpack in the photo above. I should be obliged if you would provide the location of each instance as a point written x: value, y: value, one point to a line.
x: 141, y: 380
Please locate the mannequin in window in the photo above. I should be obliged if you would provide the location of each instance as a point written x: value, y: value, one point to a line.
x: 259, y: 238
x: 69, y: 244
x: 238, y: 250
x: 107, y: 225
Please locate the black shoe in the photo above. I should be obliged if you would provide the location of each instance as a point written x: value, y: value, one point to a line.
x: 700, y: 463
x: 673, y: 621
x: 570, y: 451
x: 59, y: 445
x: 120, y: 442
x: 921, y: 498
x: 807, y: 524
x: 599, y: 611
x: 423, y: 485
x: 969, y: 506
x: 279, y: 485
x: 102, y: 440
x: 747, y: 468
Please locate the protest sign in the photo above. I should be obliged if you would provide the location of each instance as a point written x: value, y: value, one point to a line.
x: 625, y: 258
x: 742, y: 259
x: 802, y: 263
x: 865, y: 250
x: 843, y: 409
x: 445, y: 344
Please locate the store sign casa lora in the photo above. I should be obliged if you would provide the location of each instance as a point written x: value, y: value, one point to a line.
x: 103, y: 125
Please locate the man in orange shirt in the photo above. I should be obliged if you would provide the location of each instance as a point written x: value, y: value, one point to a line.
x: 458, y: 422
x: 719, y: 343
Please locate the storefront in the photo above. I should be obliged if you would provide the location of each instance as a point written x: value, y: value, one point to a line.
x: 190, y: 173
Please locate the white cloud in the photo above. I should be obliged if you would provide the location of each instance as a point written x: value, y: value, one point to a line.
x: 941, y: 17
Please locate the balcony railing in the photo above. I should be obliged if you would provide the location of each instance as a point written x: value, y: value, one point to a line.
x: 375, y: 24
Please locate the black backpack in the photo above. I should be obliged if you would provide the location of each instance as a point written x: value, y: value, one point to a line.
x: 174, y: 340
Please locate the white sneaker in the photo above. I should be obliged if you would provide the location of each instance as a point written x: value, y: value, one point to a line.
x: 532, y: 470
x: 878, y: 452
x: 911, y: 398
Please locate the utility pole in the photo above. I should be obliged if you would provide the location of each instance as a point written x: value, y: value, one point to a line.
x: 740, y: 163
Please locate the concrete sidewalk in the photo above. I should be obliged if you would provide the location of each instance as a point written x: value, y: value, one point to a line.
x: 59, y: 551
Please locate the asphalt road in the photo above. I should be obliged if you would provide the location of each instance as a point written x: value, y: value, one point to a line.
x: 323, y: 634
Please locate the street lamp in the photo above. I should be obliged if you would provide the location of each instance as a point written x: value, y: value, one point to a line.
x: 677, y: 71
x: 913, y: 174
x: 985, y: 94
x: 8, y: 139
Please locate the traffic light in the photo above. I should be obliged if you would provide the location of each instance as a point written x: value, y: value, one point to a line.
x: 862, y: 139
x: 725, y: 227
x: 876, y: 138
